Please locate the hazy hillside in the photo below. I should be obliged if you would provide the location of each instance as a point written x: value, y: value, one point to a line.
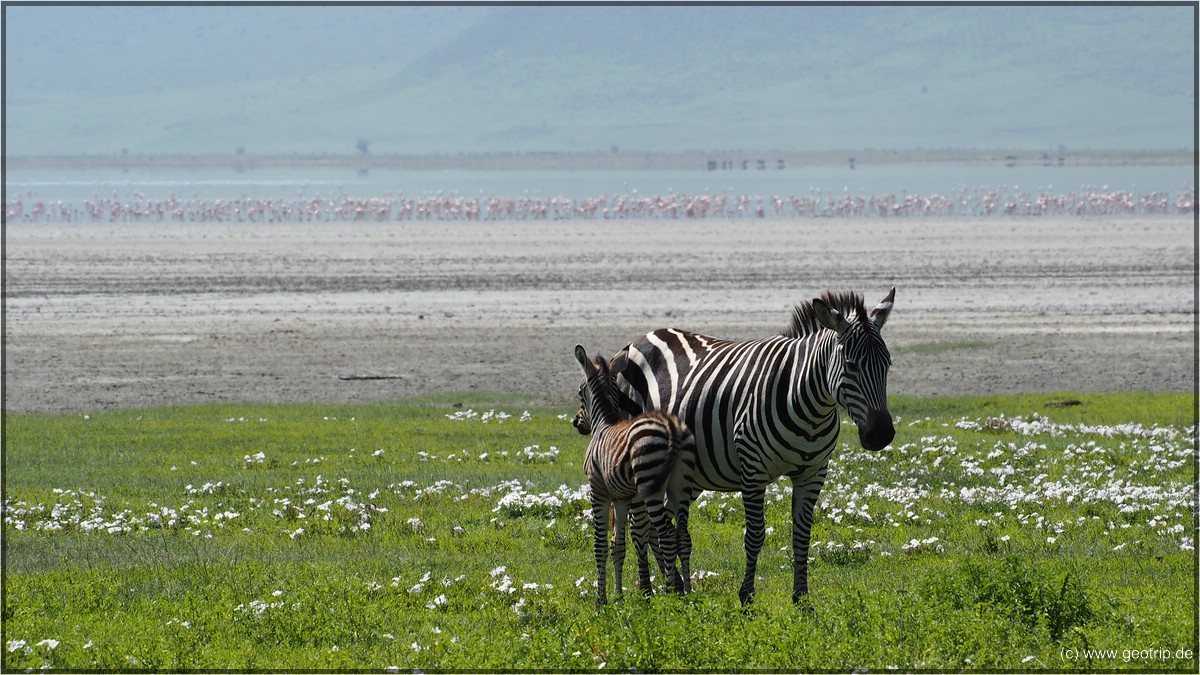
x: 275, y: 79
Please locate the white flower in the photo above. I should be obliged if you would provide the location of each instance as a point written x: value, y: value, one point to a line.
x: 14, y: 645
x: 48, y: 644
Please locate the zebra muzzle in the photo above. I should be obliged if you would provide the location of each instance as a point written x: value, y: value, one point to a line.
x: 580, y: 423
x: 878, y: 430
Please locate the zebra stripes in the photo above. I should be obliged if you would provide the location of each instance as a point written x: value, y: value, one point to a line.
x: 633, y: 466
x: 761, y: 409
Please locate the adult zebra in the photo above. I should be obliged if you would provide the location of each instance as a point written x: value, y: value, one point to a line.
x: 761, y: 409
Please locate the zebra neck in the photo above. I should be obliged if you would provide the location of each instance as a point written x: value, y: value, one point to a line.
x: 602, y: 415
x: 815, y: 372
x: 602, y: 409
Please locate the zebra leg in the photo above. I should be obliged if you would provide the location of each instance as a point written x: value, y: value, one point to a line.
x: 600, y: 546
x: 683, y: 542
x: 620, y: 519
x: 642, y: 535
x: 664, y: 549
x: 804, y: 498
x: 680, y: 489
x: 752, y: 501
x: 648, y: 543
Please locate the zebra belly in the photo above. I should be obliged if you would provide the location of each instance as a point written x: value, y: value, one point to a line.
x: 799, y: 466
x: 742, y: 456
x: 718, y: 476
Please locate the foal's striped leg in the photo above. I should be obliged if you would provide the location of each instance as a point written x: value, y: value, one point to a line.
x: 643, y: 539
x: 620, y: 519
x: 600, y: 545
x: 665, y: 550
x: 679, y: 504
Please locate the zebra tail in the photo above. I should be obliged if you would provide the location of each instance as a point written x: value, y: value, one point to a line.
x: 663, y: 469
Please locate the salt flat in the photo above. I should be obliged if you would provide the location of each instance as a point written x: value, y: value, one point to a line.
x: 102, y: 316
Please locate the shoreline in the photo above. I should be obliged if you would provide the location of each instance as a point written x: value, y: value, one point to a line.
x: 703, y: 161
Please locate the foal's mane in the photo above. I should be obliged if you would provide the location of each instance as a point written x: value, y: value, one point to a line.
x: 604, y: 398
x: 804, y: 318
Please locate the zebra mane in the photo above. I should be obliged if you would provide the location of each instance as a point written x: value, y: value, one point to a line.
x: 604, y: 393
x: 804, y: 319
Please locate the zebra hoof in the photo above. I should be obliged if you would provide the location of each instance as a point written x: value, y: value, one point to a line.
x: 803, y: 604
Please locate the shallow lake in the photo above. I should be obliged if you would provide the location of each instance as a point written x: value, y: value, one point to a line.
x: 77, y: 186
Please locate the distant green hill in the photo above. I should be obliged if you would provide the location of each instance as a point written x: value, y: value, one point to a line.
x: 280, y: 79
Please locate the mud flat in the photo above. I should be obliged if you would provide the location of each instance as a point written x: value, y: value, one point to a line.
x: 103, y: 316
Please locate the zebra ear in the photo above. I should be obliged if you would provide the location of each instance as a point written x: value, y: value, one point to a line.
x: 829, y: 317
x: 600, y: 364
x: 619, y: 360
x: 584, y: 362
x: 879, y: 315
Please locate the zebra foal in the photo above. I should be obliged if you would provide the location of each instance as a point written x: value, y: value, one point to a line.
x: 641, y: 466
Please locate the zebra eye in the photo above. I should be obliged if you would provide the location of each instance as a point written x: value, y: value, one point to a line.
x: 851, y: 368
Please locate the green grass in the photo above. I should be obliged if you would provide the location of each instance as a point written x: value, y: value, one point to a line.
x: 369, y: 537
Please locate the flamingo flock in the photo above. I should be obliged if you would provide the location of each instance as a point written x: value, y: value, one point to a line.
x: 963, y: 202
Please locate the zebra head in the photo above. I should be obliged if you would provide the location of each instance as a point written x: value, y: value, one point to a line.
x: 858, y: 371
x: 615, y: 365
x: 580, y: 422
x: 597, y: 392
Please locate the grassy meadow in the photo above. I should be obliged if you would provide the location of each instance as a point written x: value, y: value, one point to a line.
x: 450, y: 533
